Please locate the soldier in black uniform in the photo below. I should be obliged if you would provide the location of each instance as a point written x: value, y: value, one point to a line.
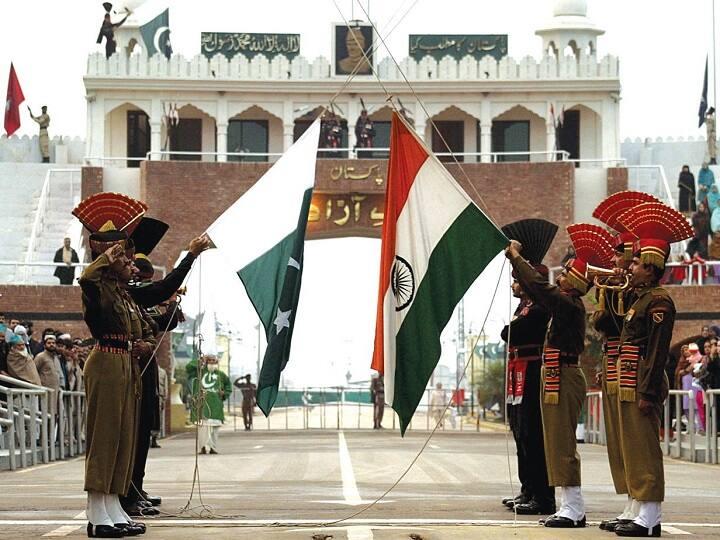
x: 149, y: 295
x: 526, y: 334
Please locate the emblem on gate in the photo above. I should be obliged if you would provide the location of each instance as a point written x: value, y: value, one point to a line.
x: 402, y: 281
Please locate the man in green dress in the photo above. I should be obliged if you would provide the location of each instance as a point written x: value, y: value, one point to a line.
x: 210, y: 387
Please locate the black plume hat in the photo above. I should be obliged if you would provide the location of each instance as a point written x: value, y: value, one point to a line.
x: 535, y: 235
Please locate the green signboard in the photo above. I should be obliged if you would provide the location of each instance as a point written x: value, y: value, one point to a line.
x: 249, y: 45
x: 458, y: 45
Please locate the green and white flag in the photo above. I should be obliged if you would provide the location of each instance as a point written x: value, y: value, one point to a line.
x: 266, y: 249
x: 156, y: 35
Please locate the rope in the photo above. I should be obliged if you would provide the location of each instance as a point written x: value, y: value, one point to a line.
x: 507, y: 420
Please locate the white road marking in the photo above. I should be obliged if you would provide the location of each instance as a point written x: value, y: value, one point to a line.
x: 81, y: 515
x: 63, y: 531
x: 359, y: 533
x: 673, y: 530
x: 350, y: 490
x: 434, y: 446
x: 258, y: 447
x: 377, y: 523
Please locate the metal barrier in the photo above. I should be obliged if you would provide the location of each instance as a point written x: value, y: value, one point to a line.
x: 348, y: 408
x: 594, y: 419
x: 33, y: 429
x: 20, y: 264
x: 711, y: 428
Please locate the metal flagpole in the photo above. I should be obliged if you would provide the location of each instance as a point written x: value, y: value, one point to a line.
x: 714, y: 62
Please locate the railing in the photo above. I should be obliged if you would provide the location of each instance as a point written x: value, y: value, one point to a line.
x: 39, y: 424
x: 348, y: 408
x: 681, y: 436
x: 655, y: 186
x: 20, y: 264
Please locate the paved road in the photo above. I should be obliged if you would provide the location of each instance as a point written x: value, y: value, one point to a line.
x: 286, y: 484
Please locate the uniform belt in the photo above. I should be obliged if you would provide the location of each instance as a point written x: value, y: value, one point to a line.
x: 527, y: 352
x: 113, y: 343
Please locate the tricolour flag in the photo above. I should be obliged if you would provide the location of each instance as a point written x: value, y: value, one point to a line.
x: 12, y: 103
x: 266, y: 249
x: 156, y: 35
x: 435, y: 243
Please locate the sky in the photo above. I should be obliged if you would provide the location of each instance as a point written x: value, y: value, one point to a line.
x: 662, y: 46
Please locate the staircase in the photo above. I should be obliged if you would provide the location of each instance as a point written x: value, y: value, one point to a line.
x: 35, y: 215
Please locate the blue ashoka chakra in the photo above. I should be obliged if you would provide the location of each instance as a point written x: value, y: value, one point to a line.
x: 402, y: 282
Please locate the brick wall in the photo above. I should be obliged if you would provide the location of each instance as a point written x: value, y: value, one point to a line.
x: 191, y: 195
x: 696, y: 306
x: 617, y: 179
x: 49, y: 306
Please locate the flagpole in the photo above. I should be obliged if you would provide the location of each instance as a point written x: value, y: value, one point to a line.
x: 714, y: 62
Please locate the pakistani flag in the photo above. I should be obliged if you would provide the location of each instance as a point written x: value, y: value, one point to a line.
x: 435, y: 243
x: 156, y: 35
x: 266, y: 249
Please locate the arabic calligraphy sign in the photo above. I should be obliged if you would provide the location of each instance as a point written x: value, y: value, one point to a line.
x: 249, y: 45
x: 458, y: 45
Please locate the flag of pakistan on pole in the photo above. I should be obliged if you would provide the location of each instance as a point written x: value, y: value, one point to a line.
x: 266, y: 250
x: 156, y: 35
x: 435, y: 243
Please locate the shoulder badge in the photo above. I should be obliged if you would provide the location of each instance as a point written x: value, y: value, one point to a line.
x: 630, y: 314
x: 658, y: 316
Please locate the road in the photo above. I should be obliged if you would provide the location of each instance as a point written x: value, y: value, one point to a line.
x: 293, y: 484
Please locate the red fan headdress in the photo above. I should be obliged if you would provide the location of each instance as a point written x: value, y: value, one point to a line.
x: 110, y: 218
x: 657, y: 226
x: 593, y: 247
x: 609, y: 212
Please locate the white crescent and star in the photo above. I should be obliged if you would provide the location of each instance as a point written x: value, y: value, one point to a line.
x: 209, y: 380
x: 156, y: 38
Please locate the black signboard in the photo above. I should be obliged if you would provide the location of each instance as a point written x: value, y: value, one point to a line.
x: 249, y: 45
x: 458, y: 45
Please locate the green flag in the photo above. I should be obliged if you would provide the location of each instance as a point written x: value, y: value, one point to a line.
x: 266, y: 250
x: 156, y: 35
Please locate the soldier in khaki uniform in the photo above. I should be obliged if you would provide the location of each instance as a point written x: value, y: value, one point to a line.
x: 645, y: 342
x: 613, y: 297
x: 112, y: 383
x: 563, y: 383
x: 44, y: 122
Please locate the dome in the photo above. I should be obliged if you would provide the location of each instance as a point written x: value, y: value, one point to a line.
x: 576, y: 8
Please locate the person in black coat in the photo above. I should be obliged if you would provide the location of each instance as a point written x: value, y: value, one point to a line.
x: 686, y: 185
x: 68, y: 256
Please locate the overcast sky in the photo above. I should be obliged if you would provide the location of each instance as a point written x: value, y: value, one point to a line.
x: 661, y: 44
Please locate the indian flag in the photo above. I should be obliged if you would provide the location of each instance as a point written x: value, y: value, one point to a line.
x: 263, y: 236
x: 435, y: 243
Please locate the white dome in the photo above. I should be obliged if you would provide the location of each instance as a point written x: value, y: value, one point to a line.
x: 570, y: 7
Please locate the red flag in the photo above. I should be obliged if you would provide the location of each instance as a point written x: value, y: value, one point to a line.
x: 12, y: 104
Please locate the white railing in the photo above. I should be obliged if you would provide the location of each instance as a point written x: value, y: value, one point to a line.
x: 219, y: 69
x: 658, y: 187
x: 25, y: 280
x: 594, y: 419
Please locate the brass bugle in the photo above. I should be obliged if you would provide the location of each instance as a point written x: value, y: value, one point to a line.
x: 602, y: 277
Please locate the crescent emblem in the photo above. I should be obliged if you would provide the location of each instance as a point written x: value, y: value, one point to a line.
x: 156, y: 39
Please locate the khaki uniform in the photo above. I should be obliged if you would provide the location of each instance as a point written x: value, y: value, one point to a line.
x: 610, y: 323
x: 711, y: 138
x: 645, y: 340
x: 44, y: 122
x: 112, y: 382
x: 561, y: 411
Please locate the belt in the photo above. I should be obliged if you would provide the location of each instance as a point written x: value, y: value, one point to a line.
x: 117, y: 343
x: 527, y: 352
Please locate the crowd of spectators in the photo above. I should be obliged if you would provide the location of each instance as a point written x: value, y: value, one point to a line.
x: 55, y: 360
x: 697, y: 368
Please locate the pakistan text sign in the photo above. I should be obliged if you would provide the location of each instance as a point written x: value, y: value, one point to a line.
x: 458, y: 45
x: 249, y: 45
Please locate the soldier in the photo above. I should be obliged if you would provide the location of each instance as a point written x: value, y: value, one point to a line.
x: 613, y: 300
x: 249, y: 396
x: 44, y: 122
x: 563, y: 383
x: 149, y: 295
x: 364, y: 132
x: 112, y: 384
x: 711, y: 135
x: 526, y: 333
x: 645, y: 342
x: 107, y: 30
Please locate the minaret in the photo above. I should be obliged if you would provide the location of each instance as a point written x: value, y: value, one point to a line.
x: 570, y: 26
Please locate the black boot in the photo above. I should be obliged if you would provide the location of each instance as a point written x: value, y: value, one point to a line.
x: 535, y: 508
x: 633, y: 529
x: 564, y: 523
x: 131, y: 529
x: 104, y: 531
x: 610, y: 524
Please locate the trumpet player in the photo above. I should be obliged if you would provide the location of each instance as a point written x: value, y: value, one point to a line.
x: 563, y: 384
